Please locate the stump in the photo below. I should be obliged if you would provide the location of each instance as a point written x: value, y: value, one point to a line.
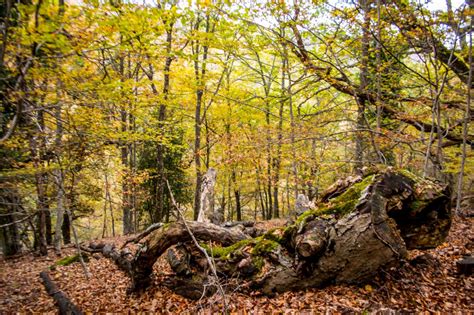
x: 466, y: 265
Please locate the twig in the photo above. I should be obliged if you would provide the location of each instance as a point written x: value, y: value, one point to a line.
x: 204, y: 252
x: 78, y: 246
x: 18, y: 221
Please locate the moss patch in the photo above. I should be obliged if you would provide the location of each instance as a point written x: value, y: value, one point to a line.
x: 345, y: 203
x: 258, y: 262
x: 224, y: 252
x: 340, y: 205
x: 276, y: 235
x: 261, y: 245
x: 70, y: 260
x: 410, y: 175
x: 264, y: 246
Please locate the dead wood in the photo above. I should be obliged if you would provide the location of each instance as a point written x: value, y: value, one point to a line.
x: 64, y: 303
x: 364, y: 226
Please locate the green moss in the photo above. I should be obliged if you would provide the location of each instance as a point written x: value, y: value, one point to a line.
x: 70, y: 260
x: 410, y: 175
x: 276, y: 235
x: 258, y: 262
x: 264, y: 246
x: 346, y: 202
x: 304, y: 216
x: 261, y: 245
x: 224, y: 252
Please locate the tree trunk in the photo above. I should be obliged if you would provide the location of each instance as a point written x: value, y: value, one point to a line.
x: 9, y: 234
x: 49, y: 226
x: 381, y: 215
x: 160, y: 153
x: 238, y: 205
x: 361, y: 100
x: 207, y: 208
x: 37, y: 149
x: 200, y: 73
x: 66, y: 229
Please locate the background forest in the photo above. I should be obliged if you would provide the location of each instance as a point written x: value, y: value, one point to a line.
x: 104, y: 102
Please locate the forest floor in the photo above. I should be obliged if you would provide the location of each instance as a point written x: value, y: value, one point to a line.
x: 427, y: 281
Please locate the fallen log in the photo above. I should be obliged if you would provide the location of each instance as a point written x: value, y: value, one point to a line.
x: 144, y: 234
x: 64, y: 303
x: 364, y: 226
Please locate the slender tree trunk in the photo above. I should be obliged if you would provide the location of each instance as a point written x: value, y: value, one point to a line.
x: 294, y: 164
x: 208, y: 142
x: 104, y: 224
x: 161, y: 118
x: 37, y: 148
x: 465, y: 130
x: 260, y: 195
x: 124, y: 152
x: 66, y: 229
x: 200, y: 72
x: 277, y: 158
x: 125, y: 190
x: 59, y: 183
x: 49, y: 226
x: 361, y: 101
x: 269, y: 165
x: 41, y: 223
x: 8, y: 4
x: 197, y: 153
x: 238, y: 207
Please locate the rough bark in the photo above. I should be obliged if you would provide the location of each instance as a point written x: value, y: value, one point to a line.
x: 66, y: 229
x: 347, y: 239
x: 206, y: 204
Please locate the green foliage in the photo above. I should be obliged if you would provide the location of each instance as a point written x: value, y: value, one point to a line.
x: 173, y: 172
x: 95, y: 105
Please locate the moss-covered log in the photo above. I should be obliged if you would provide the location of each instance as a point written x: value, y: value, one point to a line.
x: 362, y: 225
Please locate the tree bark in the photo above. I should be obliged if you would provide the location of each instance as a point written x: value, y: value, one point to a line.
x: 66, y: 229
x: 9, y: 232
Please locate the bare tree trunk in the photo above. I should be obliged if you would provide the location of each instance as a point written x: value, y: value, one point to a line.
x: 6, y: 19
x: 238, y: 206
x: 199, y: 72
x: 465, y: 129
x: 37, y: 148
x: 104, y: 224
x: 124, y: 152
x: 9, y: 233
x: 66, y: 229
x: 162, y: 117
x: 59, y: 183
x: 361, y: 100
x: 277, y: 158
